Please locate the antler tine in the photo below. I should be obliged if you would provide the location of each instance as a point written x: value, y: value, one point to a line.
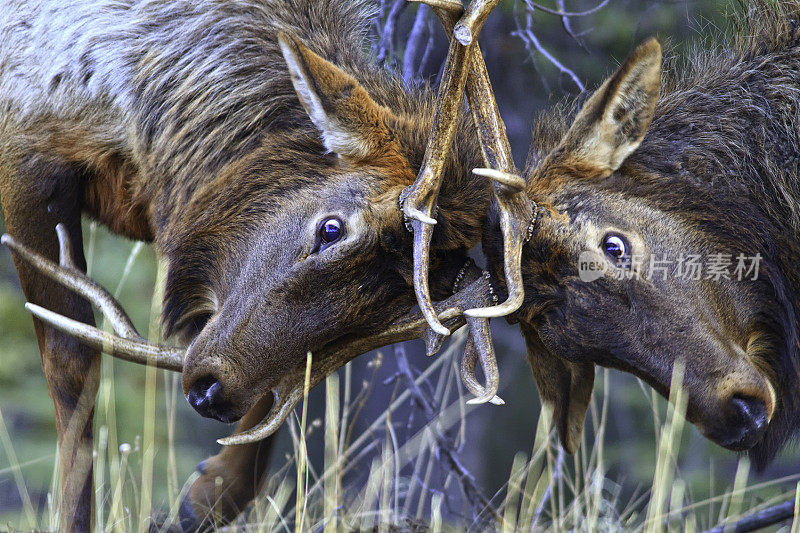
x: 515, y: 209
x: 127, y: 343
x: 131, y: 350
x: 419, y: 200
x: 479, y: 347
x: 70, y: 276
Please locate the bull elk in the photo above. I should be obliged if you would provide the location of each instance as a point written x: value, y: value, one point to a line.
x: 702, y: 169
x: 262, y: 152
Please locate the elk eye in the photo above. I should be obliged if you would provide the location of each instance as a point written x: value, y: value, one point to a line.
x: 616, y: 247
x: 330, y: 231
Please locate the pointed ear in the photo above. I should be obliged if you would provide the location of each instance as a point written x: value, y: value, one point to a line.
x: 351, y: 123
x: 613, y: 122
x: 564, y: 386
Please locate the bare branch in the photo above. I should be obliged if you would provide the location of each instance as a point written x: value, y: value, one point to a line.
x: 567, y: 24
x: 444, y: 445
x: 561, y: 13
x: 531, y: 41
x: 415, y: 42
x: 429, y: 46
x: 386, y: 41
x: 764, y: 518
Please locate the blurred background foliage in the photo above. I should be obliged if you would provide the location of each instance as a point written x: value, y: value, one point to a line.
x: 525, y: 82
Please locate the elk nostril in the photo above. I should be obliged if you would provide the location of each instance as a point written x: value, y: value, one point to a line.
x: 751, y: 411
x: 745, y: 423
x: 203, y: 393
x: 209, y: 399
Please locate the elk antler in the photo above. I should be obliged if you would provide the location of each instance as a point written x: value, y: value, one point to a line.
x: 465, y: 65
x: 419, y: 200
x: 127, y: 344
x: 516, y: 212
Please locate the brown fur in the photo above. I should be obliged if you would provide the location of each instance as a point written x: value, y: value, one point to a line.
x: 179, y: 123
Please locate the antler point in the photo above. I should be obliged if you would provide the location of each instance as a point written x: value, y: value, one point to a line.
x: 440, y: 329
x: 494, y: 400
x: 513, y: 181
x: 415, y: 214
x: 463, y: 34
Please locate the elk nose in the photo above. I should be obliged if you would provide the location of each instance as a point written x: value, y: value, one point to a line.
x: 207, y: 398
x: 748, y: 421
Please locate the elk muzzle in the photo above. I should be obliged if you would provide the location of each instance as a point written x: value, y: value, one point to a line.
x: 744, y: 407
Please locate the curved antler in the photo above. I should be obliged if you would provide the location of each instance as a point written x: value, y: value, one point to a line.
x: 127, y: 343
x: 516, y: 212
x: 419, y: 201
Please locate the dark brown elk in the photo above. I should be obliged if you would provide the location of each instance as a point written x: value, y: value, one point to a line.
x: 637, y: 185
x: 264, y: 155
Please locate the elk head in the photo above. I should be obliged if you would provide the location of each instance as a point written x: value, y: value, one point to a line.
x: 324, y: 257
x: 301, y: 247
x: 603, y: 279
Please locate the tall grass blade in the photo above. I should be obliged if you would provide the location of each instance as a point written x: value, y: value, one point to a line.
x: 302, y: 459
x: 331, y: 477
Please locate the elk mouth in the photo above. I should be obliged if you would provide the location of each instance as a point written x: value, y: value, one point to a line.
x: 733, y: 412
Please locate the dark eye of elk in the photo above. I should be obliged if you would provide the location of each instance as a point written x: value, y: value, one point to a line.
x: 617, y: 248
x: 330, y: 231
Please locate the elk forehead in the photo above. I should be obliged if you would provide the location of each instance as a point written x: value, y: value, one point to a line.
x: 589, y: 212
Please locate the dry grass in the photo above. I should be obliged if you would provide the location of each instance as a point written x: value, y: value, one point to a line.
x: 545, y: 490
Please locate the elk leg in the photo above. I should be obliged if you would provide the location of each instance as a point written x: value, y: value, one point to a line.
x: 230, y: 480
x: 37, y: 193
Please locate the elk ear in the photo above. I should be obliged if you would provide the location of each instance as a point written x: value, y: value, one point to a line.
x: 565, y: 387
x: 616, y: 117
x: 352, y: 124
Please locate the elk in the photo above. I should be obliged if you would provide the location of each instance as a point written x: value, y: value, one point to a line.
x: 645, y: 173
x: 264, y: 155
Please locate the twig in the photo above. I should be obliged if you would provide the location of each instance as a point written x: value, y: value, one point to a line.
x: 760, y: 520
x: 567, y: 24
x: 562, y: 13
x: 530, y: 40
x: 428, y: 49
x: 414, y: 43
x: 386, y: 42
x: 444, y: 446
